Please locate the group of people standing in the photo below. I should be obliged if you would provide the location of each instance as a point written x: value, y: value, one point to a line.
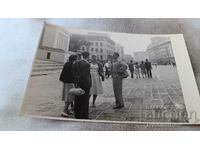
x: 88, y: 75
x: 140, y: 70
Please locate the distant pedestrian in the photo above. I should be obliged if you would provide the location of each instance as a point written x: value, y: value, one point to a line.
x: 143, y: 69
x: 83, y: 81
x: 67, y: 77
x: 174, y: 64
x: 107, y: 69
x: 148, y: 68
x: 96, y: 71
x: 131, y: 68
x: 137, y: 70
x: 156, y: 65
x: 118, y: 69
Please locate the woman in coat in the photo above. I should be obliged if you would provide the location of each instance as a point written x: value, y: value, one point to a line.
x: 67, y: 77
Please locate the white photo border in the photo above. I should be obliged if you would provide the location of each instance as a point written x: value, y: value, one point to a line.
x: 185, y: 74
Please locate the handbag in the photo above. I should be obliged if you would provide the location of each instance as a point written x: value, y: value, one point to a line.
x: 76, y: 91
x: 122, y: 71
x: 124, y: 74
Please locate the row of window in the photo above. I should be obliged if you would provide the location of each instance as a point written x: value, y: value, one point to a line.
x: 92, y: 49
x: 62, y: 41
x: 101, y: 57
x: 161, y: 55
x: 97, y: 43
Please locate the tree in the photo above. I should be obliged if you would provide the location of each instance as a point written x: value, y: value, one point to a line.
x: 76, y: 41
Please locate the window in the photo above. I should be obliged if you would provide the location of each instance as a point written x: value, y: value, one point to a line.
x: 48, y: 55
x: 96, y: 49
x: 101, y: 44
x: 101, y: 57
x: 101, y: 50
x: 96, y: 43
x: 88, y: 49
x: 83, y: 48
x: 92, y: 49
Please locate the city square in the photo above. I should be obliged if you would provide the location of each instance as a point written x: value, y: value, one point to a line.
x: 159, y: 99
x: 156, y: 99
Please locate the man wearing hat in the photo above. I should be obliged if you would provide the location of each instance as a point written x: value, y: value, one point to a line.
x: 117, y: 69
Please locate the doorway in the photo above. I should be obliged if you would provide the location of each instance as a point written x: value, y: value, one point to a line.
x: 48, y: 55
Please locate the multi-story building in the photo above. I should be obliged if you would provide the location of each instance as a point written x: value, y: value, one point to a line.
x: 127, y: 58
x: 54, y: 44
x: 100, y: 45
x: 120, y: 49
x: 140, y: 56
x: 160, y: 51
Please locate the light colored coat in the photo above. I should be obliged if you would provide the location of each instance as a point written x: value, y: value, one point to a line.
x: 118, y: 68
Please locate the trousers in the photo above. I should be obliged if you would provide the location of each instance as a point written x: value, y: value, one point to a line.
x: 149, y: 74
x: 117, y: 88
x: 131, y: 71
x: 81, y: 105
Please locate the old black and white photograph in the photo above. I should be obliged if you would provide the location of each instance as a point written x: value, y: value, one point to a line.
x: 104, y: 76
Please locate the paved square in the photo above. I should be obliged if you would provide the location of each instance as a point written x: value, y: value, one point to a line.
x: 154, y: 100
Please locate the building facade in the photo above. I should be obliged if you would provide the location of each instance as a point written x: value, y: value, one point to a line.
x: 127, y: 58
x: 120, y: 49
x: 54, y: 44
x: 160, y: 51
x: 100, y: 45
x: 140, y: 56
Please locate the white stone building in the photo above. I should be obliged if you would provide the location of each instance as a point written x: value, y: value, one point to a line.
x: 101, y: 45
x: 54, y: 44
x: 127, y: 58
x: 140, y: 56
x: 120, y: 50
x: 160, y: 51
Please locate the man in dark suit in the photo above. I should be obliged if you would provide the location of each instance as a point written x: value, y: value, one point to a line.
x: 148, y: 68
x: 83, y: 80
x: 131, y: 68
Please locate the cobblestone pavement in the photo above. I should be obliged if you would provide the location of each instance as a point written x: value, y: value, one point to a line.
x: 154, y: 100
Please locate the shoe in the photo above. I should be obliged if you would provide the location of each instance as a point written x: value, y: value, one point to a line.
x: 118, y: 107
x: 64, y: 114
x: 70, y: 112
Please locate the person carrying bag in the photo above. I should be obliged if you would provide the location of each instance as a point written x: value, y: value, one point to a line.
x: 119, y: 72
x: 82, y: 81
